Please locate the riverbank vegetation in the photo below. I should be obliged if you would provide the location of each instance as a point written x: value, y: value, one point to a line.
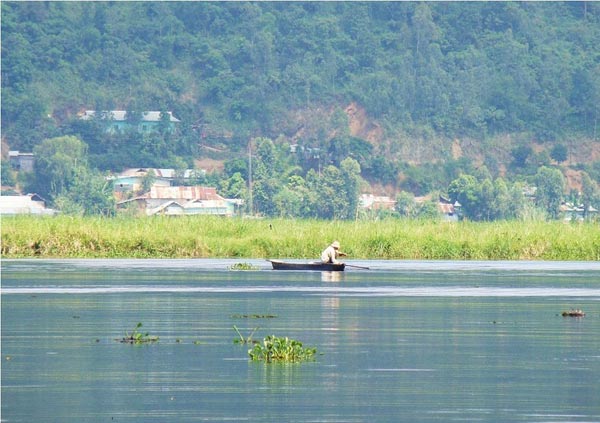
x: 214, y: 237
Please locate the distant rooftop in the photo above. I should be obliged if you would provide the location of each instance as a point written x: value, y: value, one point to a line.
x: 162, y: 173
x: 121, y: 115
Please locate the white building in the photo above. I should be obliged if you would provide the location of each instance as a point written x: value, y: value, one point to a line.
x: 11, y: 205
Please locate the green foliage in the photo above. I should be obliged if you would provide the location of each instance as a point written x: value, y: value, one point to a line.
x: 530, y: 238
x: 62, y: 175
x: 550, y: 192
x: 559, y: 153
x: 147, y: 181
x: 482, y: 199
x: 405, y: 204
x: 430, y: 70
x: 283, y: 350
x: 136, y: 337
x: 246, y: 340
x: 58, y: 162
x: 243, y: 266
x: 466, y: 191
x: 521, y: 156
x: 8, y: 177
x: 428, y: 211
x: 459, y: 68
x: 590, y: 194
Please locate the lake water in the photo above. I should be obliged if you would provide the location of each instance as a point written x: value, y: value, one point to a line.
x: 405, y: 341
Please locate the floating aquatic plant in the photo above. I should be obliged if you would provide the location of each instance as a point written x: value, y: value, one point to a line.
x: 243, y: 266
x: 253, y: 316
x: 136, y: 337
x: 285, y: 350
x: 246, y: 340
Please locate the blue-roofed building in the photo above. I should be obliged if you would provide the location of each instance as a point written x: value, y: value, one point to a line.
x: 120, y: 121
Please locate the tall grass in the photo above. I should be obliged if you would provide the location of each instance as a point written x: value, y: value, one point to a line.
x: 215, y: 237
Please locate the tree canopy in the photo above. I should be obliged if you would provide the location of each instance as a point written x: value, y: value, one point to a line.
x: 279, y: 74
x: 458, y: 68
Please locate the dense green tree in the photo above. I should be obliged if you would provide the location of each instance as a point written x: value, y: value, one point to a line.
x: 58, y: 162
x: 350, y: 170
x: 147, y: 181
x: 329, y: 193
x: 288, y: 202
x: 559, y: 153
x: 501, y: 204
x: 486, y: 200
x: 62, y: 175
x: 90, y: 194
x: 296, y: 199
x: 7, y: 178
x: 521, y: 155
x: 590, y: 194
x: 475, y: 68
x: 234, y: 187
x: 405, y: 204
x: 428, y: 210
x: 517, y: 204
x: 239, y: 165
x: 465, y: 189
x: 550, y: 184
x: 265, y: 183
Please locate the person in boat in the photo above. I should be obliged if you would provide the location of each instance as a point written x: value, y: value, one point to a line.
x: 331, y: 253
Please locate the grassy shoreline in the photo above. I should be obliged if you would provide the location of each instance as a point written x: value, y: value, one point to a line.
x: 214, y: 237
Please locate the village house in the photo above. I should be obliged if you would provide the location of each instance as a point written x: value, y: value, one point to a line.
x: 119, y: 121
x: 22, y: 162
x: 131, y: 180
x: 449, y: 211
x: 376, y: 202
x: 181, y: 200
x: 11, y: 205
x: 571, y: 212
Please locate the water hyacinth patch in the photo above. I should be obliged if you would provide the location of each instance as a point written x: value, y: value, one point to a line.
x: 243, y: 266
x: 284, y: 350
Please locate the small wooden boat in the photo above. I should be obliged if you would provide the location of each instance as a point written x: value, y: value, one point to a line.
x: 315, y: 265
x: 573, y: 313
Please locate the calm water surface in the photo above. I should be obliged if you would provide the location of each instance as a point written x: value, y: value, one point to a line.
x: 403, y: 342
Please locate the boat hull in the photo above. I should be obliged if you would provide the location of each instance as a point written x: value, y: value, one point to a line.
x: 316, y: 266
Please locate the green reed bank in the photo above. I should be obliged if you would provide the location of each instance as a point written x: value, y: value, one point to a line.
x: 215, y: 237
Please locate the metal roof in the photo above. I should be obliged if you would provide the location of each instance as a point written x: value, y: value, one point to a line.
x: 162, y: 173
x: 23, y: 204
x: 121, y: 115
x: 184, y: 193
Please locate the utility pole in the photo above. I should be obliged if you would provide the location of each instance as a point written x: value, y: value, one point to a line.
x: 250, y: 205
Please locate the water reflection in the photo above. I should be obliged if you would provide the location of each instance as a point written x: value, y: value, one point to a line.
x: 331, y: 276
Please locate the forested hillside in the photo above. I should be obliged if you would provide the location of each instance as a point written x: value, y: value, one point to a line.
x: 414, y: 92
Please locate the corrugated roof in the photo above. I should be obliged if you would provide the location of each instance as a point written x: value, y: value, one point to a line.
x: 446, y: 208
x: 162, y: 173
x: 184, y: 193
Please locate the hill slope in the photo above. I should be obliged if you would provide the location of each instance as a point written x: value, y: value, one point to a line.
x: 420, y: 82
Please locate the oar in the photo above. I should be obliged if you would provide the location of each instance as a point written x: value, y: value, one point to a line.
x: 358, y: 267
